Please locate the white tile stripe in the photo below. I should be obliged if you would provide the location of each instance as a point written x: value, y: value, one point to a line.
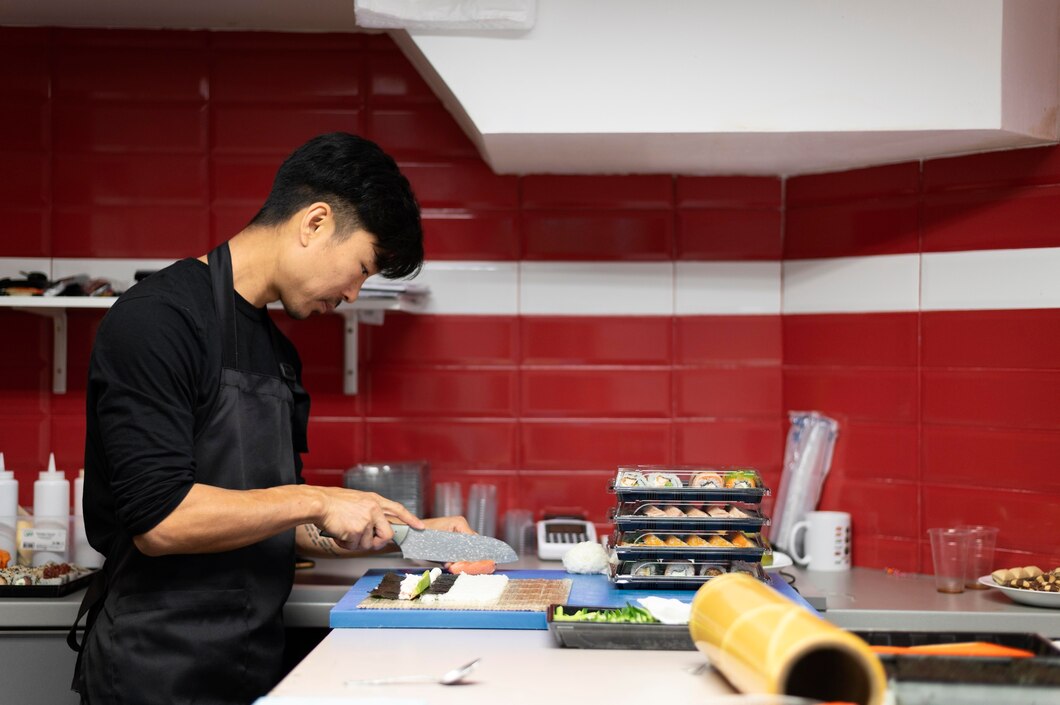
x: 991, y: 279
x: 977, y: 280
x: 852, y: 284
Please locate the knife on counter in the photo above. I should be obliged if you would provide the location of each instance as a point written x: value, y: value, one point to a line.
x: 448, y: 546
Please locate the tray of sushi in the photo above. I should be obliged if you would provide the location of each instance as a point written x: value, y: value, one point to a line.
x: 682, y: 516
x: 671, y: 484
x: 717, y: 545
x: 678, y: 573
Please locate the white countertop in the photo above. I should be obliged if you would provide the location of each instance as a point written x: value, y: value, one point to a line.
x: 517, y: 668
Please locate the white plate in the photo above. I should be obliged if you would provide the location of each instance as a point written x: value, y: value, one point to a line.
x: 1027, y: 597
x: 780, y: 560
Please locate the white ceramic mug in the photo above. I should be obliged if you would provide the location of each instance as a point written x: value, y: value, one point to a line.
x: 827, y: 541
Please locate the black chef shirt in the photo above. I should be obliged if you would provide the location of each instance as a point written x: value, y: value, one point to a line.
x: 152, y: 382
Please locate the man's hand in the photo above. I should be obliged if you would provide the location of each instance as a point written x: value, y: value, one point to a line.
x: 361, y: 520
x: 457, y: 525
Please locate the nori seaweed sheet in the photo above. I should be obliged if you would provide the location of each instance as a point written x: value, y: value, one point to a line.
x: 442, y: 584
x: 389, y: 587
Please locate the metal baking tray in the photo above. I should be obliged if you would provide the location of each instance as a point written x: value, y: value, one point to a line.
x: 603, y: 635
x: 1043, y: 669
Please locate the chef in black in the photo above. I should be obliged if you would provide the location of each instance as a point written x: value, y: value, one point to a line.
x: 196, y: 419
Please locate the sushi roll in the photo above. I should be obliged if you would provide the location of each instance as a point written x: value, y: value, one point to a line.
x: 652, y: 511
x: 672, y: 540
x: 718, y: 512
x: 673, y: 511
x: 738, y: 513
x: 740, y: 480
x: 711, y: 571
x: 682, y: 569
x: 696, y: 512
x: 695, y: 540
x: 740, y: 539
x: 631, y: 478
x: 664, y: 479
x: 650, y: 540
x: 706, y: 479
x: 645, y: 570
x: 719, y: 541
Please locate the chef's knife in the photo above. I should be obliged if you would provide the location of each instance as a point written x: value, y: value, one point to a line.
x: 448, y: 546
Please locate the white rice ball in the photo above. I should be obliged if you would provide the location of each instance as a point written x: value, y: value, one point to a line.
x: 586, y: 557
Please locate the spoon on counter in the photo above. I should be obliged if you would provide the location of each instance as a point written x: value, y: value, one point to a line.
x: 448, y: 678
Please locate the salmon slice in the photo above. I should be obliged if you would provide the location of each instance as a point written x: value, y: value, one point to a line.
x: 473, y: 567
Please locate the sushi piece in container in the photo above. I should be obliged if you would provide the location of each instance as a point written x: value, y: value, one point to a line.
x: 672, y: 540
x: 696, y: 513
x: 649, y: 540
x: 673, y: 511
x: 651, y: 511
x: 738, y: 538
x: 719, y: 541
x: 718, y: 512
x: 707, y: 479
x: 664, y: 479
x: 645, y: 569
x: 741, y: 479
x: 680, y: 569
x: 712, y: 571
x: 631, y: 478
x: 696, y: 540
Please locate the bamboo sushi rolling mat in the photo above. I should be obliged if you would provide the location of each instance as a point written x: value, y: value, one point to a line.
x: 523, y: 595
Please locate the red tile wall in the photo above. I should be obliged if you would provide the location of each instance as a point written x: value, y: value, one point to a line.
x: 160, y: 144
x: 947, y: 417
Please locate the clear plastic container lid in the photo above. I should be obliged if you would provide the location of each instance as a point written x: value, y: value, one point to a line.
x: 732, y: 545
x: 743, y: 484
x: 685, y: 515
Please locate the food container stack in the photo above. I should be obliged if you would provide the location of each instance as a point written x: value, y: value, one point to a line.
x: 676, y: 528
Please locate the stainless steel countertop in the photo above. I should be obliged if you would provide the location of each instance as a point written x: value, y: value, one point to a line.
x: 862, y: 599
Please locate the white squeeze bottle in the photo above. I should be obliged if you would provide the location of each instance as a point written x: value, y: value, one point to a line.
x: 51, y: 517
x: 84, y: 555
x: 8, y: 510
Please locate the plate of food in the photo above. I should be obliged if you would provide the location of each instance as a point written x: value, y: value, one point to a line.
x: 1028, y: 585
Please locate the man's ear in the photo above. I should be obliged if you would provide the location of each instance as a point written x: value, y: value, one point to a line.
x: 315, y: 221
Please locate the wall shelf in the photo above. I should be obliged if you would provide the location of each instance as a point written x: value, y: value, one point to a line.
x: 364, y: 310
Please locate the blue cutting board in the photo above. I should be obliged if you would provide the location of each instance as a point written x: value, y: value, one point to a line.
x: 589, y: 590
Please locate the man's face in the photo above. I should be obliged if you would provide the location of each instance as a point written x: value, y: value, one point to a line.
x: 329, y: 273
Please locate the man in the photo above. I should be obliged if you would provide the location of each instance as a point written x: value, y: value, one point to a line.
x: 196, y: 419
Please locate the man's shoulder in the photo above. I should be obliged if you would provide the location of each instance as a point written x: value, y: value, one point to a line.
x: 182, y: 289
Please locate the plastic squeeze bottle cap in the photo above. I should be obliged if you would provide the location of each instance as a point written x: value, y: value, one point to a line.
x: 51, y: 473
x: 5, y: 474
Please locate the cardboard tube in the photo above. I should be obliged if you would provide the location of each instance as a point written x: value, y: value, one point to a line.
x: 764, y: 643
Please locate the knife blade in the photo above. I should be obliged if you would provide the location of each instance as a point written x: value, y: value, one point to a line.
x: 448, y: 546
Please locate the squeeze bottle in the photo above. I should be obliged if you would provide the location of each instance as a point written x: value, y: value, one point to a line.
x: 51, y: 517
x: 8, y: 510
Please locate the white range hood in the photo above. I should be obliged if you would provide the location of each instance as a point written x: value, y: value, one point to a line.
x: 749, y: 87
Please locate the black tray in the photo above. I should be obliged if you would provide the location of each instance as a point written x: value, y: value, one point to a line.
x: 60, y: 590
x: 1043, y: 669
x: 599, y: 635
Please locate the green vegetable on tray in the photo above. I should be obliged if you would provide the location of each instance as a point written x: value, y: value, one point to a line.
x: 629, y: 614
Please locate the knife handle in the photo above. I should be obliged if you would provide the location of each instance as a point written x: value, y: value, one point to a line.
x: 400, y: 532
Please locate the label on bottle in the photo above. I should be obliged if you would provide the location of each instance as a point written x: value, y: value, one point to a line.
x: 43, y: 540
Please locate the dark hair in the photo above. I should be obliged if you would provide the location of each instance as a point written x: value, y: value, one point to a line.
x: 364, y: 187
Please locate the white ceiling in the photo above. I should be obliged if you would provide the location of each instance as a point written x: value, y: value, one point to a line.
x: 697, y: 86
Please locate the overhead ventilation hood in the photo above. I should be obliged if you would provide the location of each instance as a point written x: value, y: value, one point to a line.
x: 751, y: 87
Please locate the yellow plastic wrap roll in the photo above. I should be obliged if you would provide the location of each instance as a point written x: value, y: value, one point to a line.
x: 764, y: 643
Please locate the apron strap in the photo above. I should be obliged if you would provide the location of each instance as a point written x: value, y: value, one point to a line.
x: 91, y: 604
x: 220, y: 261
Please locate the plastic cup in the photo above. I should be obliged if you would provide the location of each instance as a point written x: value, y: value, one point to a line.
x: 447, y: 499
x: 482, y: 509
x: 980, y: 554
x: 949, y: 553
x: 518, y: 530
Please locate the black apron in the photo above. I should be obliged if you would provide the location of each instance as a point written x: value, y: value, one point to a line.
x: 204, y: 628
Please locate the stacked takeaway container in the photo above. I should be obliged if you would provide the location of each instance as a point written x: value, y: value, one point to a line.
x: 676, y: 528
